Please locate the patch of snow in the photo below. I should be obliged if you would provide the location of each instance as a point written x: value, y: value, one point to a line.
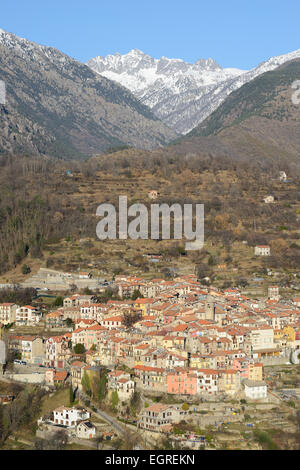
x: 180, y: 93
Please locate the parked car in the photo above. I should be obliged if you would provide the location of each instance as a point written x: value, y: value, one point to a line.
x: 18, y: 361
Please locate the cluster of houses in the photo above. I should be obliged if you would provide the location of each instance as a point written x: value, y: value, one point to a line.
x: 75, y: 421
x: 12, y: 313
x: 187, y: 340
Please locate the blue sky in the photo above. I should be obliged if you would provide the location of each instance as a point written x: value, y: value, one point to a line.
x: 235, y: 33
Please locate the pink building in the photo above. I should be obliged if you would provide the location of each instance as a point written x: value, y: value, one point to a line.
x: 248, y: 368
x: 182, y: 381
x: 243, y: 366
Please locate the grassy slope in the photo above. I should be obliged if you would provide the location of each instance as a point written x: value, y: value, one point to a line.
x: 109, y: 256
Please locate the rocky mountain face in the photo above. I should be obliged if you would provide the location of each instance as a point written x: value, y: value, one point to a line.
x: 57, y: 106
x: 260, y: 120
x: 182, y: 95
x: 172, y: 88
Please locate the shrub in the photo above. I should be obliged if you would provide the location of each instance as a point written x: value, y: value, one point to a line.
x: 114, y: 400
x: 25, y: 269
x: 79, y: 349
x: 264, y: 439
x: 291, y: 403
x: 58, y: 302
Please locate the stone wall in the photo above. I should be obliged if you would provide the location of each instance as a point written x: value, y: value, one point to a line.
x: 274, y: 361
x: 34, y: 378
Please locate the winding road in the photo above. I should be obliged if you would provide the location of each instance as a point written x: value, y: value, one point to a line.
x: 112, y: 421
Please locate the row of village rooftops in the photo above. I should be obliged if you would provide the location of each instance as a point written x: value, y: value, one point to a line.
x: 85, y: 307
x: 184, y: 290
x: 178, y: 375
x: 188, y: 340
x: 184, y: 318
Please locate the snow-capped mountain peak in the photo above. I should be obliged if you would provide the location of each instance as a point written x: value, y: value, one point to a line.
x: 32, y: 51
x: 136, y: 52
x: 180, y: 93
x: 209, y: 64
x: 166, y: 85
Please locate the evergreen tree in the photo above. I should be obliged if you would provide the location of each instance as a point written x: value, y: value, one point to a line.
x: 102, y: 386
x: 86, y: 383
x: 114, y: 400
x: 71, y: 394
x: 137, y: 295
x: 58, y: 302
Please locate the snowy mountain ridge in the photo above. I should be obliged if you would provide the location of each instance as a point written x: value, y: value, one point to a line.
x: 181, y: 94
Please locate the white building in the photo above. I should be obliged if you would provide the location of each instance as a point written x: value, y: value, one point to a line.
x: 27, y: 315
x: 207, y: 381
x: 121, y: 382
x: 262, y: 338
x: 32, y: 349
x: 255, y: 390
x: 296, y: 301
x: 273, y: 293
x: 112, y: 322
x: 77, y: 300
x: 269, y: 199
x: 69, y: 417
x: 91, y: 312
x: 282, y: 176
x: 153, y: 194
x: 85, y: 275
x: 262, y: 250
x: 78, y: 336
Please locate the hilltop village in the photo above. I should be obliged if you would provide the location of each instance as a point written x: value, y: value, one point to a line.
x: 169, y: 358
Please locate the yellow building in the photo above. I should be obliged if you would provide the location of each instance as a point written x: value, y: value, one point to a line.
x: 289, y: 333
x: 143, y: 305
x: 199, y: 362
x: 139, y: 352
x: 229, y: 381
x: 168, y: 342
x: 92, y: 357
x: 278, y: 335
x: 256, y: 371
x: 179, y: 342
